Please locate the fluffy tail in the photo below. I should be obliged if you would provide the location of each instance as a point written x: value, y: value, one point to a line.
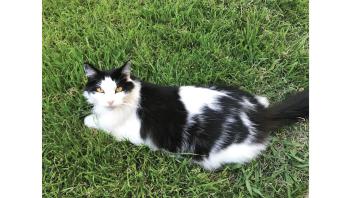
x: 291, y: 110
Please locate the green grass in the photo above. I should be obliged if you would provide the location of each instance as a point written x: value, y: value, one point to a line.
x: 260, y: 45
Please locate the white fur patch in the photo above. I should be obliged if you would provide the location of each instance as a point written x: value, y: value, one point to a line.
x: 263, y: 100
x: 249, y: 125
x: 90, y: 121
x: 196, y: 98
x: 246, y: 104
x: 245, y: 119
x: 129, y: 130
x: 235, y: 153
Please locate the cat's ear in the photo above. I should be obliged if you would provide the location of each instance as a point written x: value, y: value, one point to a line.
x: 90, y: 70
x: 126, y: 69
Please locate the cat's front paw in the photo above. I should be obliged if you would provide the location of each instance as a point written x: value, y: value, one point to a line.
x: 90, y: 121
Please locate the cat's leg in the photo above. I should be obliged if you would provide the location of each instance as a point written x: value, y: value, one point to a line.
x: 90, y: 121
x: 209, y: 165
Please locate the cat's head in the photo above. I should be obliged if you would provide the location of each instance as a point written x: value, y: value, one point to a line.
x: 112, y: 88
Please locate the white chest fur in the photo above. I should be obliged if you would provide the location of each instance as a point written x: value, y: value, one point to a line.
x: 123, y: 123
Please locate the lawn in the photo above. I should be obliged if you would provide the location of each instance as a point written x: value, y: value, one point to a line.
x: 262, y: 46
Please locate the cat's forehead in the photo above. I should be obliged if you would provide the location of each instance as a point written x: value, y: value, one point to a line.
x: 107, y: 83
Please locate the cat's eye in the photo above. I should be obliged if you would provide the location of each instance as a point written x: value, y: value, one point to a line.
x: 118, y: 89
x: 100, y: 90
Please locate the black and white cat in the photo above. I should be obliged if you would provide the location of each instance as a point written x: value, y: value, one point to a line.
x: 219, y: 125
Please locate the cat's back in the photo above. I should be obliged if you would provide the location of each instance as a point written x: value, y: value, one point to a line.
x: 195, y: 98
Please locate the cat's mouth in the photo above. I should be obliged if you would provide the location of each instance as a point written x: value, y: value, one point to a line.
x: 111, y: 106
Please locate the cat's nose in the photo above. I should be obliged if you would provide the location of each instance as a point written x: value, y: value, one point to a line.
x: 110, y: 102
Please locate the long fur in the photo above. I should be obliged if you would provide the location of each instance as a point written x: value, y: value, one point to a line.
x: 293, y: 109
x: 216, y: 125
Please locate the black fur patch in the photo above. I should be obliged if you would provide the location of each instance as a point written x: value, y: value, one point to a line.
x: 163, y: 116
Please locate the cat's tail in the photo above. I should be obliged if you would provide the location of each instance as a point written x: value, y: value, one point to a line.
x: 290, y: 110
